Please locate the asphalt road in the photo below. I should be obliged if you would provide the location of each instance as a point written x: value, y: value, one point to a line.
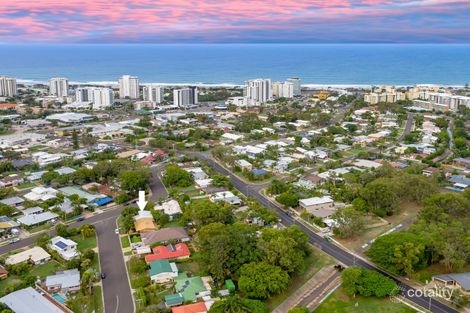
x: 408, y: 127
x: 330, y: 248
x: 116, y: 291
x: 156, y: 185
x: 91, y: 220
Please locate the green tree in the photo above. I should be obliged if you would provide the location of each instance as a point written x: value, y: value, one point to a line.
x: 261, y: 280
x: 177, y: 177
x: 286, y: 248
x: 225, y: 248
x: 133, y: 181
x: 350, y: 222
x: 367, y: 283
x: 236, y: 304
x: 206, y: 212
x: 87, y: 231
x: 288, y: 199
x: 380, y: 196
x: 277, y: 187
x: 390, y: 252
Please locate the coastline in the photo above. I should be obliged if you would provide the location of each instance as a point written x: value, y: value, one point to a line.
x: 30, y: 82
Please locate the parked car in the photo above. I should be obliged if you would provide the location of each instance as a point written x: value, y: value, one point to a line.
x: 103, y: 275
x: 13, y: 240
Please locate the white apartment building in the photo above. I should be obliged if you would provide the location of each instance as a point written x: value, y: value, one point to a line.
x: 258, y: 91
x: 58, y: 87
x: 129, y: 87
x: 100, y: 97
x: 7, y: 86
x: 296, y: 82
x: 153, y: 93
x: 283, y: 90
x: 448, y: 101
x: 184, y: 97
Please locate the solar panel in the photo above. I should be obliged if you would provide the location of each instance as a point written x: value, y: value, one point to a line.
x: 61, y: 244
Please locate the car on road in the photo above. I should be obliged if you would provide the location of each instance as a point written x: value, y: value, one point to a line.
x: 116, y: 231
x: 13, y: 240
x: 80, y: 219
x: 103, y: 275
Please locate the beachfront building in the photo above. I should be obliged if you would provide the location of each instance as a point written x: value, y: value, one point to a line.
x: 7, y: 86
x: 283, y: 89
x: 153, y: 93
x: 296, y: 82
x: 129, y: 87
x: 58, y: 87
x: 258, y: 91
x: 184, y: 97
x: 99, y: 97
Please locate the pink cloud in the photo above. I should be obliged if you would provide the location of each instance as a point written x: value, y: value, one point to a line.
x: 83, y: 20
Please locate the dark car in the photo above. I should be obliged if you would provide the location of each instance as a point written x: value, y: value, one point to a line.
x: 80, y: 219
x: 103, y: 275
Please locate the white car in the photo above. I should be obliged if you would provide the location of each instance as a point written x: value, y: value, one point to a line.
x: 116, y: 231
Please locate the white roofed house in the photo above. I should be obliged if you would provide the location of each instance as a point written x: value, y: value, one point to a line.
x: 171, y: 208
x: 231, y: 137
x: 41, y: 194
x: 36, y: 255
x: 197, y: 173
x: 322, y: 207
x: 37, y: 218
x: 226, y: 196
x: 244, y: 165
x: 66, y: 248
x: 28, y: 300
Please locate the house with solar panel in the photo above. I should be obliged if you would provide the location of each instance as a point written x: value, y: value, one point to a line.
x: 66, y: 248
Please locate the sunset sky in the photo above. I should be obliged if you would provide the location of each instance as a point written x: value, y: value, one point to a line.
x: 223, y: 21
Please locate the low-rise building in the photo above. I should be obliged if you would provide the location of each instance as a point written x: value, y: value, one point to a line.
x: 144, y: 222
x: 169, y: 252
x: 165, y: 235
x: 162, y: 271
x: 171, y: 208
x: 226, y: 196
x: 66, y: 281
x: 28, y: 300
x: 36, y: 255
x: 322, y: 207
x: 66, y: 248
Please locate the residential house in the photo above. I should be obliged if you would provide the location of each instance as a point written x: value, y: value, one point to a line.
x: 199, y: 307
x: 36, y: 255
x: 244, y: 165
x: 66, y: 281
x: 41, y: 194
x: 430, y: 171
x: 12, y: 201
x: 66, y: 248
x: 171, y: 208
x: 169, y: 252
x: 3, y: 273
x: 226, y: 196
x: 322, y: 207
x: 459, y: 183
x: 197, y: 173
x: 309, y: 181
x: 8, y: 226
x: 455, y: 280
x: 36, y: 219
x: 11, y: 181
x: 191, y: 288
x: 162, y: 271
x: 367, y: 164
x: 29, y: 300
x: 144, y: 222
x: 165, y: 235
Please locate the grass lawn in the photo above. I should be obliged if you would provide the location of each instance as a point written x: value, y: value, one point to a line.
x: 26, y: 185
x: 425, y: 275
x: 125, y: 242
x: 190, y: 191
x: 98, y: 300
x: 316, y: 261
x: 407, y: 214
x: 339, y: 302
x: 84, y: 244
x: 192, y: 267
x: 46, y: 269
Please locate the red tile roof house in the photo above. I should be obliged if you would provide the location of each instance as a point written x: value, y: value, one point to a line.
x: 199, y: 307
x: 148, y: 159
x: 160, y: 154
x: 169, y: 252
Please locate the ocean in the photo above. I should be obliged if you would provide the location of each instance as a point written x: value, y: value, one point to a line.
x: 322, y: 64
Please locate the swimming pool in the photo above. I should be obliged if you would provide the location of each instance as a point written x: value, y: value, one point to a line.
x: 59, y: 298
